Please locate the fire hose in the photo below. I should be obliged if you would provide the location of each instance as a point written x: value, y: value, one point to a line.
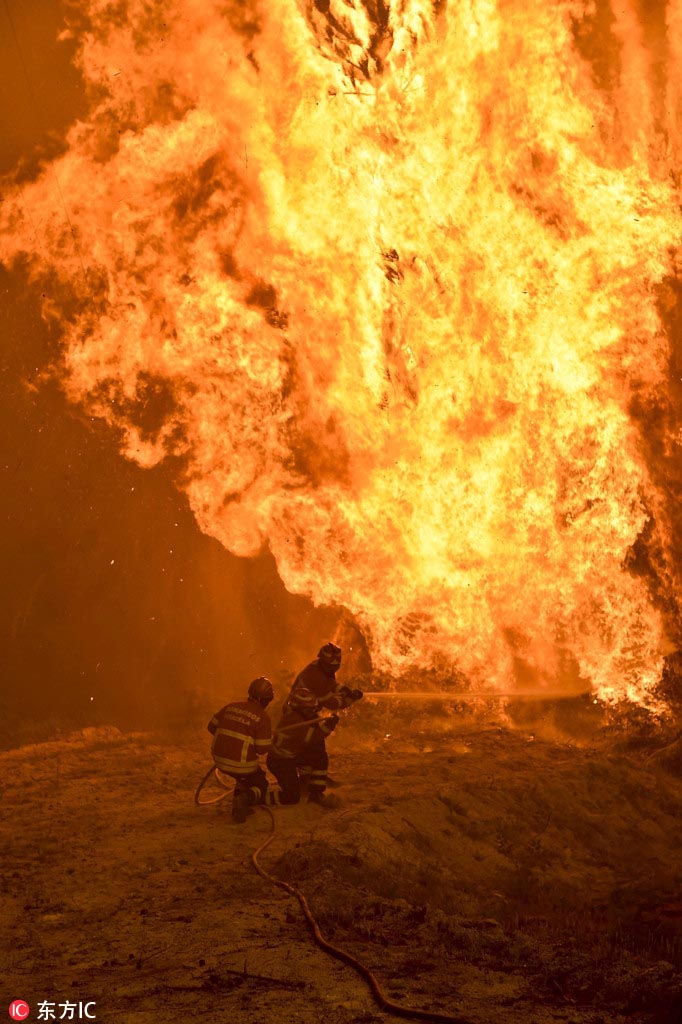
x: 341, y: 954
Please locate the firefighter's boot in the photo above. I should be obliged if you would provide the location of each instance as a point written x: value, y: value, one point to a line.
x: 241, y: 802
x: 327, y: 800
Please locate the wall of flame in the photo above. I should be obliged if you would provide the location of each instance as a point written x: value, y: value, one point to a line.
x: 391, y: 283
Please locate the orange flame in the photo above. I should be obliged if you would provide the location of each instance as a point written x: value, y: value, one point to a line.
x: 382, y: 277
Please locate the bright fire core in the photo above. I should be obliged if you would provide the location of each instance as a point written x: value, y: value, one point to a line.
x: 384, y: 277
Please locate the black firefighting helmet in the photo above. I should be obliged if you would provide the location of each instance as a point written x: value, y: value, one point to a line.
x: 261, y: 689
x: 329, y: 657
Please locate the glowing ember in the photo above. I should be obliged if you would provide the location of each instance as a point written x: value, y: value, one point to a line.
x: 381, y: 276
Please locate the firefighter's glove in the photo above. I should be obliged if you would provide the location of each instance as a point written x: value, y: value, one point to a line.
x: 356, y: 694
x: 331, y: 723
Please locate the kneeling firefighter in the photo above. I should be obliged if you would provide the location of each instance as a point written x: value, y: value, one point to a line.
x: 241, y: 731
x: 299, y: 740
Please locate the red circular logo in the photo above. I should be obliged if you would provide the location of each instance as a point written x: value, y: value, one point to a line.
x: 19, y: 1009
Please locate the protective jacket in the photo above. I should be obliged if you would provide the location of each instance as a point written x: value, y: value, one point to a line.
x: 241, y: 731
x: 315, y: 690
x: 294, y: 734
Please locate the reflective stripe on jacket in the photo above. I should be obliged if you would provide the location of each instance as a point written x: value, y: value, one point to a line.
x: 241, y: 731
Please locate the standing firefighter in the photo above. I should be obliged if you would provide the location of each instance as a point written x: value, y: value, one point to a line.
x: 299, y: 740
x: 241, y: 731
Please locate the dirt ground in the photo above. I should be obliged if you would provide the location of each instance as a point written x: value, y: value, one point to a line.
x: 482, y: 872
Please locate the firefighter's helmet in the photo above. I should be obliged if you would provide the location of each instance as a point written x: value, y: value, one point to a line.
x: 329, y: 657
x: 261, y: 689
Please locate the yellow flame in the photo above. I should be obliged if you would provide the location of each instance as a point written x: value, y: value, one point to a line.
x: 382, y: 275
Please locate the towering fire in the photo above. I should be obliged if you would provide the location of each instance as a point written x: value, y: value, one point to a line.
x: 383, y: 277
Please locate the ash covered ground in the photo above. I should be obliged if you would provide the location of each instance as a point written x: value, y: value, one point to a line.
x: 495, y: 873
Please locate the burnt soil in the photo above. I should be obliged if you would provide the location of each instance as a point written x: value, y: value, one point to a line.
x: 484, y: 872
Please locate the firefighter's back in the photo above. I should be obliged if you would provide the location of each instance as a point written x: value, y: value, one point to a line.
x: 242, y: 731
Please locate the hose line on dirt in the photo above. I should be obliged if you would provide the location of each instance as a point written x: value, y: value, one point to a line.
x: 341, y: 954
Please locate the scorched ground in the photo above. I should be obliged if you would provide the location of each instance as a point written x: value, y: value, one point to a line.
x: 483, y: 871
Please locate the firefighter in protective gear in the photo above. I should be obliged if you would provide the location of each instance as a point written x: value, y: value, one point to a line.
x: 299, y: 742
x: 241, y: 731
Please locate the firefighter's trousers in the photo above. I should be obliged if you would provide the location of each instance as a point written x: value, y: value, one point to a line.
x: 256, y: 785
x: 285, y: 769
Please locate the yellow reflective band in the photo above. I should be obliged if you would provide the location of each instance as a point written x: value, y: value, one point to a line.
x: 234, y: 767
x: 247, y: 741
x: 302, y: 697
